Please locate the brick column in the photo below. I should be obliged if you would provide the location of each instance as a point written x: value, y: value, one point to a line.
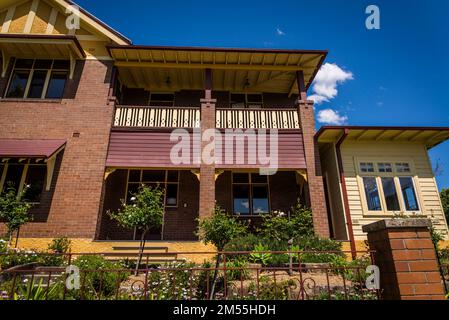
x: 405, y: 254
x: 207, y: 171
x: 314, y: 175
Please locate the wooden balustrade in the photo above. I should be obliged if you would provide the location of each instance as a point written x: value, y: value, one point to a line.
x: 157, y: 117
x: 258, y: 119
x: 177, y: 117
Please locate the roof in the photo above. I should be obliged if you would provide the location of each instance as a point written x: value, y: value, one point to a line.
x: 169, y: 69
x: 14, y: 148
x: 430, y: 136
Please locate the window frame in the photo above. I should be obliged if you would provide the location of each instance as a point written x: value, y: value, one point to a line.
x: 164, y: 183
x: 250, y: 184
x: 150, y: 100
x: 31, y: 71
x: 396, y: 175
x: 246, y: 94
x: 23, y: 177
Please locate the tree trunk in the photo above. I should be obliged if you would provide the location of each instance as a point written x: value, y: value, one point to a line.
x: 9, y: 235
x: 141, y: 250
x: 214, y: 281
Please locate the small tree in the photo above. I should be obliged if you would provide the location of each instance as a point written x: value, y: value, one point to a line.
x: 219, y: 230
x: 146, y: 211
x: 14, y: 211
x: 445, y: 200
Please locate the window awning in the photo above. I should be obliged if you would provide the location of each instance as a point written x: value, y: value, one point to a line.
x: 40, y: 47
x: 35, y: 149
x: 14, y: 148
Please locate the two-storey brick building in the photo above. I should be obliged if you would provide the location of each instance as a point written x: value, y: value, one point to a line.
x: 86, y: 117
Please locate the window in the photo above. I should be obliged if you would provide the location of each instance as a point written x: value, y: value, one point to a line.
x: 409, y: 194
x: 403, y: 167
x: 385, y: 167
x: 243, y: 100
x: 38, y: 79
x: 389, y: 188
x: 391, y: 196
x: 372, y: 194
x: 162, y: 99
x: 367, y: 167
x: 26, y: 175
x: 250, y: 194
x: 166, y: 180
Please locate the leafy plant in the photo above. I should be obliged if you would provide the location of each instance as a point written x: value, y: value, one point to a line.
x: 38, y: 292
x: 145, y: 212
x: 219, y: 229
x: 445, y: 201
x: 238, y: 270
x: 270, y: 290
x: 99, y: 278
x: 260, y: 255
x: 283, y: 228
x: 60, y: 245
x: 13, y: 210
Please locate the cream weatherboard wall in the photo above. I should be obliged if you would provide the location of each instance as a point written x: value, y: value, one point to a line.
x: 355, y: 152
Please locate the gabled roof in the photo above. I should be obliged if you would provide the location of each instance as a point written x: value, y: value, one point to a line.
x: 429, y: 136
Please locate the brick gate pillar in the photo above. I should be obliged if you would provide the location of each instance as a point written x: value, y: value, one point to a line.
x: 207, y: 171
x: 406, y: 256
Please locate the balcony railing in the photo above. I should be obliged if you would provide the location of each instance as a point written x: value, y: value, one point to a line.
x: 176, y: 117
x: 258, y: 119
x: 157, y: 117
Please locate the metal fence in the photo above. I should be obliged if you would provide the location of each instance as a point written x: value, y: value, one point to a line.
x: 239, y: 276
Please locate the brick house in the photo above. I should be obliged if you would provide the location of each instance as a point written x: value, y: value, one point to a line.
x: 86, y: 117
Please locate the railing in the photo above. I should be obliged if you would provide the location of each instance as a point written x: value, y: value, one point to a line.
x: 157, y: 117
x: 172, y: 117
x: 258, y: 119
x: 234, y: 279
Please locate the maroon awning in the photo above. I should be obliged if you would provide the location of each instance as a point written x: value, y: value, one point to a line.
x: 13, y: 148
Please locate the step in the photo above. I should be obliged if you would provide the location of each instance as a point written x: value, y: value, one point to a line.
x: 137, y: 248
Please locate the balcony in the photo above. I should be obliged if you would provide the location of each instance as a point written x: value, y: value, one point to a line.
x: 177, y: 117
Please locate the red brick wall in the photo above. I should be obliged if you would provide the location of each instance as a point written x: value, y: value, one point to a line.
x: 315, y: 178
x: 77, y: 192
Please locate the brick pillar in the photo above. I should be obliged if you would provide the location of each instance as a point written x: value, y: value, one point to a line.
x: 314, y: 175
x: 406, y: 256
x: 207, y: 171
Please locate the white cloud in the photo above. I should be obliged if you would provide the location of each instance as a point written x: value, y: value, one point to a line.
x: 332, y: 117
x: 279, y: 32
x: 326, y: 82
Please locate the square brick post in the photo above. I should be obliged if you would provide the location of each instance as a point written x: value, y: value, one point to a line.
x: 406, y: 256
x: 314, y: 175
x: 207, y: 171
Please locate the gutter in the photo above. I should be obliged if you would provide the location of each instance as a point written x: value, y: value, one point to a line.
x: 345, y: 192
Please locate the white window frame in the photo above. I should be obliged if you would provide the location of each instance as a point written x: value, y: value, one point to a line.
x: 395, y: 175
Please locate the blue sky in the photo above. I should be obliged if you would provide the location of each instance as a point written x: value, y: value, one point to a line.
x: 400, y: 72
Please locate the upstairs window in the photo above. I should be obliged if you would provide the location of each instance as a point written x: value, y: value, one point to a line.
x: 38, y: 79
x: 243, y: 100
x: 162, y: 99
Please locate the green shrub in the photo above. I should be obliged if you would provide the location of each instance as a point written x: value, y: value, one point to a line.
x: 280, y: 227
x: 60, y: 246
x: 260, y: 255
x: 269, y: 290
x: 239, y: 270
x: 319, y: 250
x: 98, y: 276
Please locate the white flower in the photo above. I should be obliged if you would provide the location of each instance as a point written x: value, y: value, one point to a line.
x: 133, y: 199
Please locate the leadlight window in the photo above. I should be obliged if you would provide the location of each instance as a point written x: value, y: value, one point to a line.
x: 367, y: 167
x: 166, y: 180
x: 38, y: 79
x: 403, y: 167
x: 250, y: 194
x: 385, y: 167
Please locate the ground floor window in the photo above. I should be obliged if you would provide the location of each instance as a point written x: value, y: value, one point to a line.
x: 250, y: 194
x: 24, y: 175
x: 390, y: 194
x: 165, y: 179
